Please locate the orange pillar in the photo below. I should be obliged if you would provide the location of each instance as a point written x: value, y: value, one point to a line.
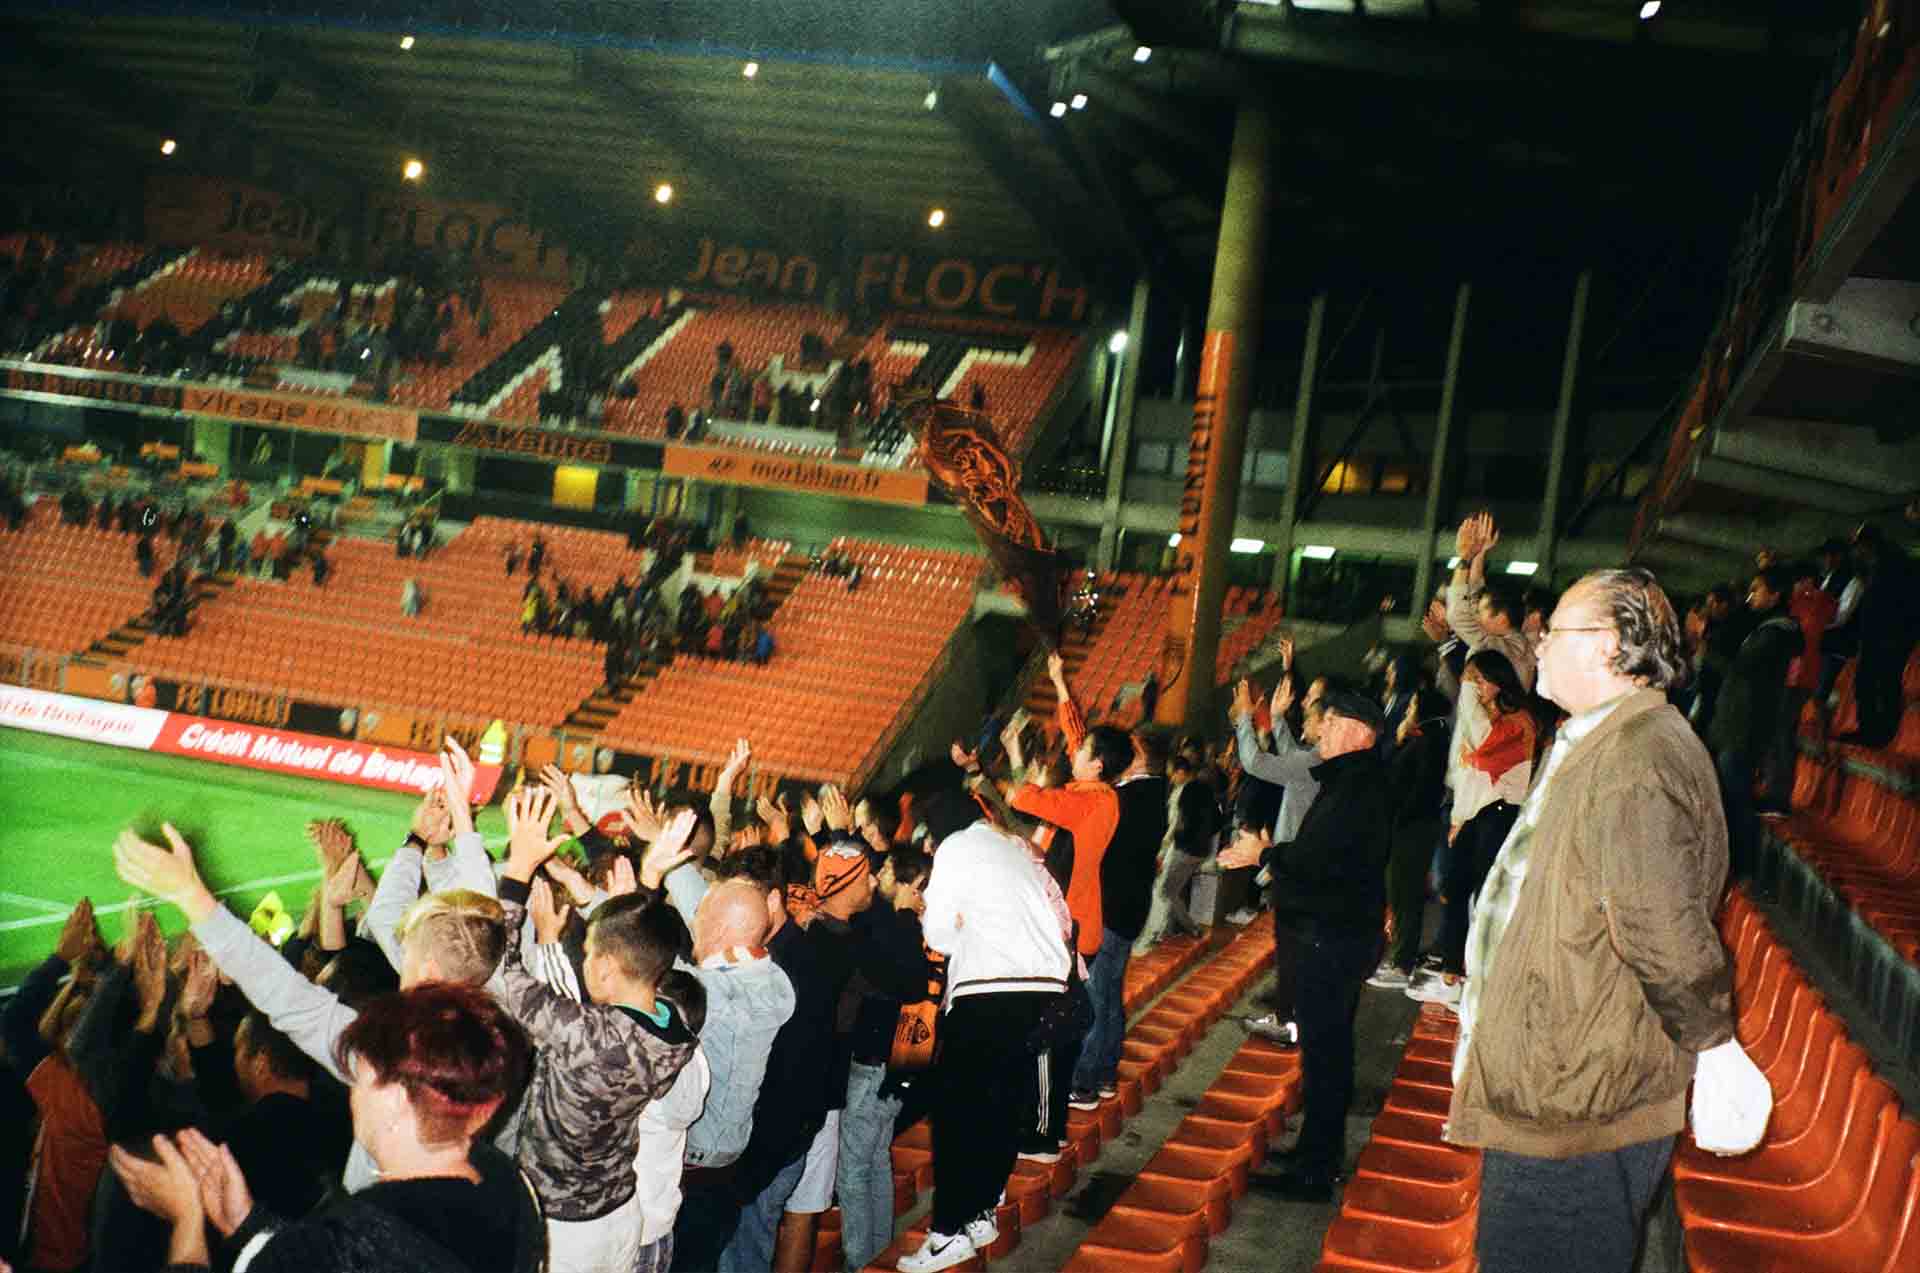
x: 1212, y: 492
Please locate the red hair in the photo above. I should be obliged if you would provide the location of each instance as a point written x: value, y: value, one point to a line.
x: 455, y: 1051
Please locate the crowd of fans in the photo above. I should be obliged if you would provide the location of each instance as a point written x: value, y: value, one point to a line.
x: 675, y: 1036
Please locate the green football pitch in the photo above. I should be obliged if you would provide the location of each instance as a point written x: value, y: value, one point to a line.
x: 62, y: 803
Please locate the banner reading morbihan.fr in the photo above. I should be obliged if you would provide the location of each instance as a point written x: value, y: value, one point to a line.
x: 249, y: 746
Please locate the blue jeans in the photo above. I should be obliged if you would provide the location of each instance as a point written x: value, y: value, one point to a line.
x: 1106, y: 986
x: 865, y: 1185
x: 751, y: 1250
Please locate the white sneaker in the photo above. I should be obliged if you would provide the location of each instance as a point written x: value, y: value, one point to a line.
x: 939, y: 1251
x: 982, y: 1231
x: 1242, y: 917
x: 1270, y: 1027
x: 1389, y: 978
x: 1436, y: 988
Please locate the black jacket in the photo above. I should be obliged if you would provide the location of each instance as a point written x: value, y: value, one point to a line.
x: 1747, y: 713
x: 1126, y: 872
x: 1416, y: 781
x: 1334, y: 871
x: 890, y: 969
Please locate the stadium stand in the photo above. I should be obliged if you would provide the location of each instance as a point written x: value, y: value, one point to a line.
x: 1126, y: 639
x: 517, y: 306
x: 849, y: 663
x: 681, y: 370
x: 1835, y: 1184
x: 63, y: 588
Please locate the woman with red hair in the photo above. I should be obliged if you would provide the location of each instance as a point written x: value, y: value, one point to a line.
x: 430, y: 1066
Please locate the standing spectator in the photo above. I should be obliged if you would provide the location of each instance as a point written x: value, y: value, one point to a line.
x: 1486, y: 798
x: 1089, y: 808
x: 1885, y: 627
x: 1292, y: 767
x: 890, y: 964
x: 1746, y: 718
x: 431, y: 1066
x: 321, y: 568
x: 987, y: 911
x: 1611, y: 942
x: 1197, y: 819
x: 410, y: 598
x: 1416, y: 789
x: 601, y: 1059
x: 1813, y: 608
x: 1332, y: 881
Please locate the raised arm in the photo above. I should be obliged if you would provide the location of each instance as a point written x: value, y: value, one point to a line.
x: 309, y: 1015
x: 1067, y: 715
x: 1470, y: 544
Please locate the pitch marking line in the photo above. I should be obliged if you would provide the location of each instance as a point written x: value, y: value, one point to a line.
x: 150, y: 903
x: 34, y: 903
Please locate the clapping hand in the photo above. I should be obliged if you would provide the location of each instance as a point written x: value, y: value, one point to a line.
x: 224, y: 1196
x: 1242, y: 706
x: 642, y: 816
x: 778, y: 822
x: 432, y: 823
x: 167, y: 873
x: 549, y: 918
x: 1246, y: 849
x: 80, y: 936
x: 669, y: 850
x: 839, y: 814
x: 456, y: 769
x: 735, y: 766
x: 812, y: 817
x: 554, y: 779
x: 967, y: 760
x: 569, y: 878
x: 529, y: 811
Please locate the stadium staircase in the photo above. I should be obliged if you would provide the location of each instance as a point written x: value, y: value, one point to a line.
x: 598, y: 711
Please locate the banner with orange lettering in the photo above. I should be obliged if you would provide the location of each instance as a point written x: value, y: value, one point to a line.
x: 235, y: 216
x: 740, y: 466
x: 291, y: 411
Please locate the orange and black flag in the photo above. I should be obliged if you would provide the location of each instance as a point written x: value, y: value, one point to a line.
x: 964, y: 455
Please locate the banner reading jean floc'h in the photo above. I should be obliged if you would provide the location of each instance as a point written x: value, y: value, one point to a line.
x: 213, y: 212
x: 1031, y: 291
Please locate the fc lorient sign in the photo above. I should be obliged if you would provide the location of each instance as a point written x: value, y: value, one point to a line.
x: 249, y: 746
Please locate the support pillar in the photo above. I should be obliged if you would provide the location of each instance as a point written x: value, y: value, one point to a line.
x: 1299, y: 449
x: 1547, y: 541
x: 1440, y: 471
x: 1115, y: 461
x: 1212, y: 491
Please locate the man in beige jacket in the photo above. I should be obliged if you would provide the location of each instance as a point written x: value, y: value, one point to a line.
x: 1598, y: 986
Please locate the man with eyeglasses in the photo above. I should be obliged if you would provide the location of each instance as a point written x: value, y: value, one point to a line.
x: 1598, y: 991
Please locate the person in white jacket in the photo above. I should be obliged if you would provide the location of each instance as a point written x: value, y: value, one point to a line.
x: 987, y: 911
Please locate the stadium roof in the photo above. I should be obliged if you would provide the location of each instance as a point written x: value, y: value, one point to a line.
x: 1411, y: 133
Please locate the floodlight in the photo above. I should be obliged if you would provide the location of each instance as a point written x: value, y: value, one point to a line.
x: 1141, y: 53
x: 168, y: 146
x: 1317, y: 552
x: 413, y: 170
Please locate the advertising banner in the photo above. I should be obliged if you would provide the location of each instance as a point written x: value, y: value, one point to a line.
x: 736, y: 466
x: 249, y: 746
x: 248, y: 406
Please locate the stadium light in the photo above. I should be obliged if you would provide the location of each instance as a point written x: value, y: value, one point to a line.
x: 750, y: 70
x: 413, y: 170
x: 937, y: 218
x: 1317, y: 552
x: 406, y: 43
x: 1057, y: 110
x: 663, y: 193
x: 1247, y: 547
x: 1522, y: 567
x: 1453, y: 563
x: 1141, y: 53
x: 1117, y: 343
x: 1173, y: 540
x: 1649, y: 10
x: 1079, y: 102
x: 932, y: 100
x: 168, y: 146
